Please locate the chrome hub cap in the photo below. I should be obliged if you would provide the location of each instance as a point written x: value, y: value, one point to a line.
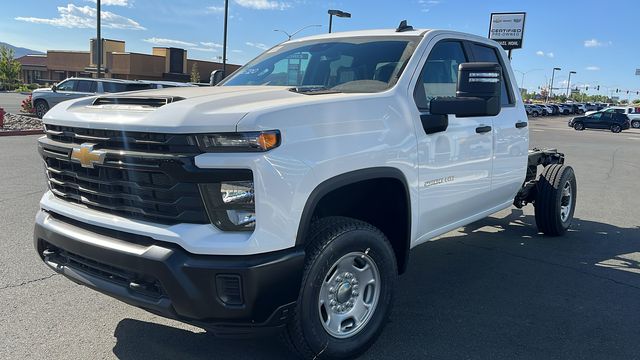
x: 349, y: 294
x: 566, y: 202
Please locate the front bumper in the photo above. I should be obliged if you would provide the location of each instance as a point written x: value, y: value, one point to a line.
x: 228, y: 295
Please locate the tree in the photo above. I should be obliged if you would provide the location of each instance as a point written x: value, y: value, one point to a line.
x: 9, y: 68
x: 195, y: 74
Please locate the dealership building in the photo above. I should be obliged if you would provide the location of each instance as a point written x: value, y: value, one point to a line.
x: 164, y: 63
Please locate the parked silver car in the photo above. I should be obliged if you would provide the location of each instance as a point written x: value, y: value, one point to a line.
x: 72, y: 88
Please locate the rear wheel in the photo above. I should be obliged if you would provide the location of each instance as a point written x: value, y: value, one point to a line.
x: 578, y: 126
x: 635, y: 124
x: 347, y: 290
x: 41, y: 108
x: 615, y: 128
x: 555, y: 202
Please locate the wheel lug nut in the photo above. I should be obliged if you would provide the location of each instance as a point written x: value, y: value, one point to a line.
x: 332, y: 290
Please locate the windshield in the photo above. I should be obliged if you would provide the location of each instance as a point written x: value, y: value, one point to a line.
x: 363, y: 64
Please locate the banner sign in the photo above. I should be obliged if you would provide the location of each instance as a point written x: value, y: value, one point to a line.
x: 507, y: 29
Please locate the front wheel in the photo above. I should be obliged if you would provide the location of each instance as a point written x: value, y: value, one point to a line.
x: 578, y: 126
x: 347, y: 290
x: 616, y: 128
x: 535, y: 114
x: 635, y: 124
x: 555, y: 201
x: 41, y: 108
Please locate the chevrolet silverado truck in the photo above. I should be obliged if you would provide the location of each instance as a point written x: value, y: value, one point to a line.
x: 290, y: 195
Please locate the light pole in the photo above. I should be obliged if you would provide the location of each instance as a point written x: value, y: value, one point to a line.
x: 550, y: 92
x: 525, y: 73
x: 224, y: 42
x: 569, y: 82
x: 337, y: 13
x: 98, y: 40
x: 294, y: 33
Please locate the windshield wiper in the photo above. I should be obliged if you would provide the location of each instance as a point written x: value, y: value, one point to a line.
x: 313, y: 90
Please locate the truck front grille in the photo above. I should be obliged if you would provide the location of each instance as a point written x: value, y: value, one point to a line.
x: 150, y: 186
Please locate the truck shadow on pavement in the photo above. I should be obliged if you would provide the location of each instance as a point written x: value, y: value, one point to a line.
x: 495, y: 289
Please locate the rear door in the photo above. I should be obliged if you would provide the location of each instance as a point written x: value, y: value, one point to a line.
x: 454, y: 164
x: 510, y: 131
x: 84, y: 88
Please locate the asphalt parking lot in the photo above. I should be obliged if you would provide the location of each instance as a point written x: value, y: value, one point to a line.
x: 492, y: 290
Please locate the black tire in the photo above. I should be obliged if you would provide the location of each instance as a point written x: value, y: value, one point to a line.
x: 550, y: 199
x: 615, y: 128
x: 635, y: 124
x: 41, y: 108
x: 578, y: 126
x: 330, y: 239
x: 535, y: 114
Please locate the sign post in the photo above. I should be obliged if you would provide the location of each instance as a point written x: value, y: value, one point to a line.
x: 507, y: 29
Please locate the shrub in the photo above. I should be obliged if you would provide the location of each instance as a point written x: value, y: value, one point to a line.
x: 27, y: 106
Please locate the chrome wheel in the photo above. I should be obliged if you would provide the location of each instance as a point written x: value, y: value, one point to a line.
x: 349, y: 295
x: 635, y: 124
x: 566, y: 202
x: 41, y: 109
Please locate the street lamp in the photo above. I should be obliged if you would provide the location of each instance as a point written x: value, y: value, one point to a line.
x: 525, y: 73
x: 224, y: 42
x: 337, y: 13
x: 550, y: 92
x: 294, y: 33
x: 569, y: 81
x: 98, y: 40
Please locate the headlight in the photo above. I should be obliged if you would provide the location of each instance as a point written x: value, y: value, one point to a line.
x: 255, y: 141
x: 230, y: 205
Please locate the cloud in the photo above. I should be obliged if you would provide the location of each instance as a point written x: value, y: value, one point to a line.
x: 168, y: 42
x: 596, y: 43
x: 236, y: 51
x: 263, y: 4
x: 257, y: 45
x: 72, y: 16
x: 426, y: 5
x: 211, y: 45
x: 592, y: 68
x: 542, y: 53
x: 112, y: 2
x: 215, y: 9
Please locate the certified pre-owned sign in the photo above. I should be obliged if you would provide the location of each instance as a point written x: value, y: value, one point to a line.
x: 507, y: 29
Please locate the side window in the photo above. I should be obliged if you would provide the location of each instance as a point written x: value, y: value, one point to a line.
x: 439, y: 74
x: 483, y: 53
x: 86, y: 86
x: 68, y: 85
x: 596, y: 116
x: 111, y: 87
x: 606, y: 117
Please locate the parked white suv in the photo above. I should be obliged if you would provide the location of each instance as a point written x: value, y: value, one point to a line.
x: 291, y: 195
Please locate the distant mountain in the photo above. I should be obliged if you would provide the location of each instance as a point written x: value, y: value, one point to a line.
x: 18, y: 51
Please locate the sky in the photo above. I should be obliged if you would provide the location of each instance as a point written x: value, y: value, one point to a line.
x: 599, y: 40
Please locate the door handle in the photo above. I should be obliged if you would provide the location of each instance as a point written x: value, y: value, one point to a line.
x: 521, y: 124
x: 483, y: 129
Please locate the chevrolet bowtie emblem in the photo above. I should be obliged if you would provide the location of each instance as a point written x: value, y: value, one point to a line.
x: 86, y: 156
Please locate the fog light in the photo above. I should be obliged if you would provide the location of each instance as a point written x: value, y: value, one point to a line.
x: 230, y: 205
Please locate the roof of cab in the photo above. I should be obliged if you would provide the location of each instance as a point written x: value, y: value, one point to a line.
x: 362, y: 33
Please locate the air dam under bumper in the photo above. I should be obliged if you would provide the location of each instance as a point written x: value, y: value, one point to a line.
x: 227, y: 295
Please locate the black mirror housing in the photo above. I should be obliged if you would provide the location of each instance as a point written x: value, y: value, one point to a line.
x: 54, y: 88
x: 478, y: 92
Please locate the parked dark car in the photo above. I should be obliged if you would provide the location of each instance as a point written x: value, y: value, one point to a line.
x: 615, y: 122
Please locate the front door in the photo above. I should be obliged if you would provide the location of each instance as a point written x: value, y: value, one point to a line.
x: 454, y: 163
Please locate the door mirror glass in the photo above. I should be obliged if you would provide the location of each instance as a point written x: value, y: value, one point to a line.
x: 478, y: 92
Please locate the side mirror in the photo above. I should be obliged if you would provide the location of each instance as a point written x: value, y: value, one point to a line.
x: 215, y: 77
x: 477, y: 92
x: 54, y: 88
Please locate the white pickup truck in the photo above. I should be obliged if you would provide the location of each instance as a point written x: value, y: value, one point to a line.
x: 290, y: 196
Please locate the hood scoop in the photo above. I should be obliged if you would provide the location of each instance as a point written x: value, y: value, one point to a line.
x: 134, y: 102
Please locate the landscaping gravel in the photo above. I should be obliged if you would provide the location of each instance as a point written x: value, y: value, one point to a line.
x: 14, y: 122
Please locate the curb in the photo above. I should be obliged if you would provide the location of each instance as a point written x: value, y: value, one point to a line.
x: 21, y: 132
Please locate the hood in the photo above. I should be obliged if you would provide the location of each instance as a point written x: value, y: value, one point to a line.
x: 193, y: 109
x: 43, y: 90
